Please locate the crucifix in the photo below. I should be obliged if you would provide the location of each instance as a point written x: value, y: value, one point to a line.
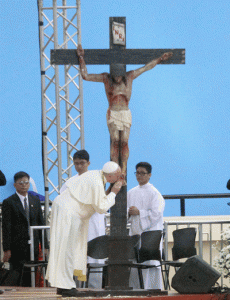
x: 118, y: 87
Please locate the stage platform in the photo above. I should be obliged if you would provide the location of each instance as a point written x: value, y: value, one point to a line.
x: 17, y: 293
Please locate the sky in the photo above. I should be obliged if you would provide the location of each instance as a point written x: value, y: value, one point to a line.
x: 180, y: 112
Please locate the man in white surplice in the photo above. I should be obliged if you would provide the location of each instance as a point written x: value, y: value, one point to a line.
x: 96, y: 222
x: 71, y: 211
x: 145, y: 207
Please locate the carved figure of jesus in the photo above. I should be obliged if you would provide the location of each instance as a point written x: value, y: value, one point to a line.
x: 118, y: 89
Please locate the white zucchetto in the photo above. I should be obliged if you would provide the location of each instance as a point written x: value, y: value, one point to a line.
x: 110, y: 167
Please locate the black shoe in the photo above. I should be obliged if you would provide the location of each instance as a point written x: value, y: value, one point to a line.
x: 71, y: 293
x: 59, y: 291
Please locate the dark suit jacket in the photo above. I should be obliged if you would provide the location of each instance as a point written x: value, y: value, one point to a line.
x: 228, y: 185
x: 2, y: 178
x: 15, y: 228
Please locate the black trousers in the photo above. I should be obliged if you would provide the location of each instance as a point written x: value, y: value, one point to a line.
x: 17, y: 261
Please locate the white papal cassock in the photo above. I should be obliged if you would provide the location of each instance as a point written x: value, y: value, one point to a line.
x: 96, y: 228
x: 150, y: 204
x: 70, y: 216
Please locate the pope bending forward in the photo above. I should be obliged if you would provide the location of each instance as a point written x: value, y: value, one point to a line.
x: 71, y: 211
x: 118, y: 88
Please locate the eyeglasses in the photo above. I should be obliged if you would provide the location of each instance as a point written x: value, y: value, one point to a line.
x: 140, y: 173
x: 82, y: 163
x: 23, y: 182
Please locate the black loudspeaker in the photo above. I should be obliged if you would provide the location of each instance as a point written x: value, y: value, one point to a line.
x: 195, y: 276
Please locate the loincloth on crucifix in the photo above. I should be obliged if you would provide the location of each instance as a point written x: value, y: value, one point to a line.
x: 121, y: 118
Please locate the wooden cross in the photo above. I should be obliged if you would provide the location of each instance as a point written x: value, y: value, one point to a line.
x: 117, y: 54
x: 118, y: 264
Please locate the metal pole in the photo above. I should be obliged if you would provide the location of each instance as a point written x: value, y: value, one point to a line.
x: 67, y: 106
x: 32, y: 255
x: 182, y: 207
x: 201, y: 240
x: 58, y: 119
x: 78, y: 2
x: 166, y: 240
x: 44, y: 129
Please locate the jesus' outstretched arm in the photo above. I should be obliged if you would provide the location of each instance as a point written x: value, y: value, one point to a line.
x: 83, y: 68
x: 152, y: 64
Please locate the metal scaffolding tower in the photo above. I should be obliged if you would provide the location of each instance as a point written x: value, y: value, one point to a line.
x: 61, y: 92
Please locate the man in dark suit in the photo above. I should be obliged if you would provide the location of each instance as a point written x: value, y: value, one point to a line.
x: 20, y: 211
x: 2, y: 179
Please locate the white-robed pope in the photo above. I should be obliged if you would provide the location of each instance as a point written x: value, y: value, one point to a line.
x: 71, y: 211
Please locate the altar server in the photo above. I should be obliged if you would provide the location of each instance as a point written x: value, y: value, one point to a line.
x: 145, y: 211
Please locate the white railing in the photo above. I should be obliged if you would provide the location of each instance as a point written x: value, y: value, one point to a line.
x: 200, y: 234
x: 208, y: 233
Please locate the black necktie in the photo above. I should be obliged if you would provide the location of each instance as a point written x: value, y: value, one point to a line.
x: 27, y: 211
